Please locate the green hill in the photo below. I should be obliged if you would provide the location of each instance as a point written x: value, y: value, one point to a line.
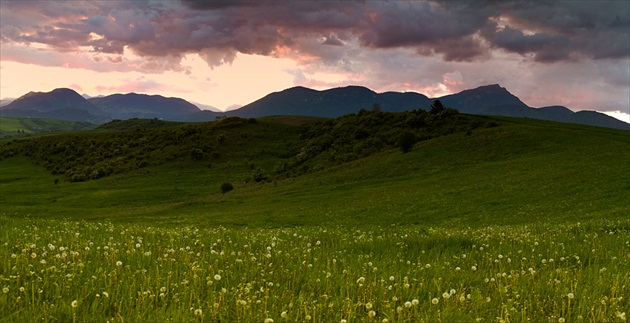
x: 502, y: 171
x: 484, y: 218
x: 11, y: 127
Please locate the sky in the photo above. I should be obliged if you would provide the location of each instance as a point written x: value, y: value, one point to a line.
x: 227, y: 54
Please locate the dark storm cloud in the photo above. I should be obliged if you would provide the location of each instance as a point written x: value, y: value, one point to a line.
x: 545, y: 31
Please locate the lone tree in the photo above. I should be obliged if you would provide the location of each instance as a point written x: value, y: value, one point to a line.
x: 437, y: 107
x: 406, y: 141
x: 226, y: 187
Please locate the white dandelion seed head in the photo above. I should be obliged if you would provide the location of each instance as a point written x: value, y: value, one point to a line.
x: 407, y: 304
x: 217, y: 277
x: 435, y: 301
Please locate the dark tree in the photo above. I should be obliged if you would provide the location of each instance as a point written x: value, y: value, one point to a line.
x: 226, y: 187
x: 406, y: 141
x: 437, y: 107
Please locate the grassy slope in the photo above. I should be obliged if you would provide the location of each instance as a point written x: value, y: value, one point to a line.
x: 521, y: 172
x: 35, y: 125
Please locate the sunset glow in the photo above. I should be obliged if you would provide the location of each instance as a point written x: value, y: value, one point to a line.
x: 232, y: 53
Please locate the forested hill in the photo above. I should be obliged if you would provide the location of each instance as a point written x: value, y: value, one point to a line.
x: 286, y: 150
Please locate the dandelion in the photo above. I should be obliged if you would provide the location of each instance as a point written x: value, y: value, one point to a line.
x: 198, y: 312
x: 343, y: 321
x: 105, y: 294
x: 33, y: 255
x: 217, y: 277
x: 283, y: 314
x: 385, y: 321
x: 473, y: 268
x: 570, y: 295
x: 414, y: 302
x: 435, y: 301
x: 561, y: 320
x: 118, y: 263
x: 371, y: 313
x: 407, y: 304
x: 446, y: 295
x: 74, y: 303
x: 5, y: 290
x: 368, y: 306
x: 621, y: 315
x: 360, y: 280
x: 268, y: 320
x: 307, y: 317
x: 391, y: 278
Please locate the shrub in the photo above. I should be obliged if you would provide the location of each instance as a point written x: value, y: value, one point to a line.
x: 226, y: 187
x: 406, y: 141
x: 196, y: 154
x: 258, y: 175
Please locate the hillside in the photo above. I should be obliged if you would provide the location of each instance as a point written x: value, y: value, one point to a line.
x: 517, y: 171
x: 11, y: 127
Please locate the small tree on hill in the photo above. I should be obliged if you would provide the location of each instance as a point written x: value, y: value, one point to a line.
x: 226, y: 187
x: 406, y: 141
x: 437, y: 107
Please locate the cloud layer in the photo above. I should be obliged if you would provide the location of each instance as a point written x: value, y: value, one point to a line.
x: 370, y: 41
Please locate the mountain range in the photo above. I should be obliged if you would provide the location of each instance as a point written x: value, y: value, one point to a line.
x: 66, y: 104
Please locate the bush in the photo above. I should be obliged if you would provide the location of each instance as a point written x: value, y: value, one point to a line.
x: 258, y: 175
x: 196, y: 154
x: 406, y: 141
x: 226, y: 187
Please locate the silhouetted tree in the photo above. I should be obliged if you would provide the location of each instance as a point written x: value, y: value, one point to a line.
x: 226, y: 187
x: 437, y: 107
x: 406, y: 141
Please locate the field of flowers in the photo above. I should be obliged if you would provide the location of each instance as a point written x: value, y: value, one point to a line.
x: 73, y: 271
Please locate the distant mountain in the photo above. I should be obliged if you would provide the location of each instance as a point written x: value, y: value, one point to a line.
x: 206, y: 107
x: 5, y: 101
x: 484, y: 100
x: 133, y: 105
x: 329, y: 103
x: 57, y: 99
x: 61, y: 104
x: 66, y: 104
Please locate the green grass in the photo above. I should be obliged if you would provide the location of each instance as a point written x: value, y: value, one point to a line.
x: 524, y: 221
x: 10, y: 125
x: 80, y: 271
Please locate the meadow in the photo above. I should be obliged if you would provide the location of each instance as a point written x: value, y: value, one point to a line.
x: 77, y: 271
x: 525, y: 221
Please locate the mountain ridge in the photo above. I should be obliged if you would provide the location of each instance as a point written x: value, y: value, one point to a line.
x: 490, y: 99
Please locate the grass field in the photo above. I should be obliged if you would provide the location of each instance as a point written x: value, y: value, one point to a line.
x: 9, y: 125
x: 527, y: 221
